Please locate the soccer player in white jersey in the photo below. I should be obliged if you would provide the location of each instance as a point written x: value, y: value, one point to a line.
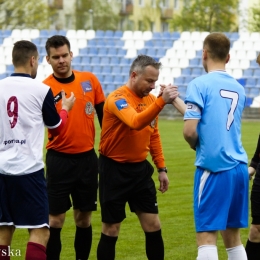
x: 26, y: 105
x: 212, y: 126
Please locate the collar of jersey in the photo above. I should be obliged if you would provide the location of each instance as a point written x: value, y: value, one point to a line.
x: 21, y: 75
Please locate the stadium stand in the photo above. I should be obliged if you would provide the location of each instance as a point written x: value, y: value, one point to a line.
x: 109, y: 54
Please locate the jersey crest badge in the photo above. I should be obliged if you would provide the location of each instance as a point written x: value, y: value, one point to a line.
x: 86, y: 86
x: 89, y: 108
x: 121, y: 103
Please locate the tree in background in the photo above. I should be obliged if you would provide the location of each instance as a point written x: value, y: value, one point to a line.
x: 97, y: 14
x: 207, y: 15
x: 254, y: 19
x: 25, y: 14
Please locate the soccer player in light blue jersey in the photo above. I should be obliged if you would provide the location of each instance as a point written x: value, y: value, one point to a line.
x: 212, y: 126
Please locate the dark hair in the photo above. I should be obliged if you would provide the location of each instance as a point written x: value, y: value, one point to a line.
x: 218, y: 45
x: 56, y: 41
x: 22, y: 52
x: 142, y: 61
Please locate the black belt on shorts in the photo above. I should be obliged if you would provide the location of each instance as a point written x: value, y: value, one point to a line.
x: 71, y: 155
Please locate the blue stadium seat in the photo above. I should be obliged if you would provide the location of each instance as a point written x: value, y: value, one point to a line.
x: 175, y: 35
x: 100, y: 34
x: 256, y: 73
x: 195, y: 72
x: 112, y: 52
x: 250, y: 82
x: 160, y: 53
x: 167, y: 44
x: 166, y: 35
x: 3, y: 75
x: 249, y: 101
x: 92, y: 51
x: 116, y: 70
x: 253, y: 64
x: 83, y: 51
x: 86, y: 68
x: 194, y: 62
x: 9, y: 68
x: 76, y: 60
x: 109, y: 34
x: 120, y: 43
x: 254, y: 92
x: 100, y: 77
x: 188, y: 79
x: 106, y: 70
x: 143, y: 51
x: 94, y: 43
x: 105, y: 61
x: 179, y: 80
x: 60, y: 32
x: 44, y: 33
x: 110, y: 87
x: 121, y: 52
x: 149, y: 44
x: 151, y: 52
x: 125, y: 61
x: 97, y: 69
x: 108, y: 79
x: 118, y: 79
x: 118, y: 34
x: 125, y: 70
x: 182, y: 90
x: 77, y: 67
x: 114, y: 61
x: 199, y: 53
x: 157, y: 35
x: 85, y: 60
x: 234, y: 36
x: 110, y: 43
x: 102, y: 51
x: 95, y: 61
x: 248, y: 73
x: 186, y: 72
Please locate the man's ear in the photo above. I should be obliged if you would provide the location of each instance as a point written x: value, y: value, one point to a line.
x: 204, y: 54
x: 32, y: 60
x: 228, y: 58
x: 48, y: 59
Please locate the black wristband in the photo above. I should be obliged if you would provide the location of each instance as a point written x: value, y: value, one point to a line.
x: 163, y: 169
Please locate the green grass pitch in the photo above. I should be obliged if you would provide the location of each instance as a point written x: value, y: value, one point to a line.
x: 175, y: 206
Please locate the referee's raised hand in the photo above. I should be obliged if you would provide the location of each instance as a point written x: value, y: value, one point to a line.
x: 67, y: 103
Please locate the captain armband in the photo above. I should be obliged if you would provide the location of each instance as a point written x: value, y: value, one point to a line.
x: 193, y: 107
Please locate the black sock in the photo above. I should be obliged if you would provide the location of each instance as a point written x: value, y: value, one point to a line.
x: 154, y: 245
x: 53, y: 248
x: 252, y: 250
x: 106, y: 247
x: 82, y: 242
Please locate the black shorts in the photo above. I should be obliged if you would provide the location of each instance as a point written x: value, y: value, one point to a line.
x: 72, y: 176
x: 255, y: 198
x: 125, y: 182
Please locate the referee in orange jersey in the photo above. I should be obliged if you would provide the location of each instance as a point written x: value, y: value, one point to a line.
x: 129, y: 133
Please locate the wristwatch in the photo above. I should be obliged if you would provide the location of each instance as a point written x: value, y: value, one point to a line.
x: 163, y: 169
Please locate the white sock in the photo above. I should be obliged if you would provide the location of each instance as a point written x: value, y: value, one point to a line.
x: 237, y: 253
x: 207, y: 252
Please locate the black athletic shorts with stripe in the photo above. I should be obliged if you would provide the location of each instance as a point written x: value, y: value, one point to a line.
x: 120, y: 183
x: 255, y: 198
x: 72, y: 176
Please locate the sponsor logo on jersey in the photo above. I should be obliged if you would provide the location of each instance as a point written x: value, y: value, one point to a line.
x: 121, y: 103
x: 58, y: 97
x: 86, y: 86
x: 89, y: 108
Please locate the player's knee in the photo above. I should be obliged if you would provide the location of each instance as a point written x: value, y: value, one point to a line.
x: 82, y: 219
x: 56, y: 221
x: 254, y: 234
x: 111, y: 230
